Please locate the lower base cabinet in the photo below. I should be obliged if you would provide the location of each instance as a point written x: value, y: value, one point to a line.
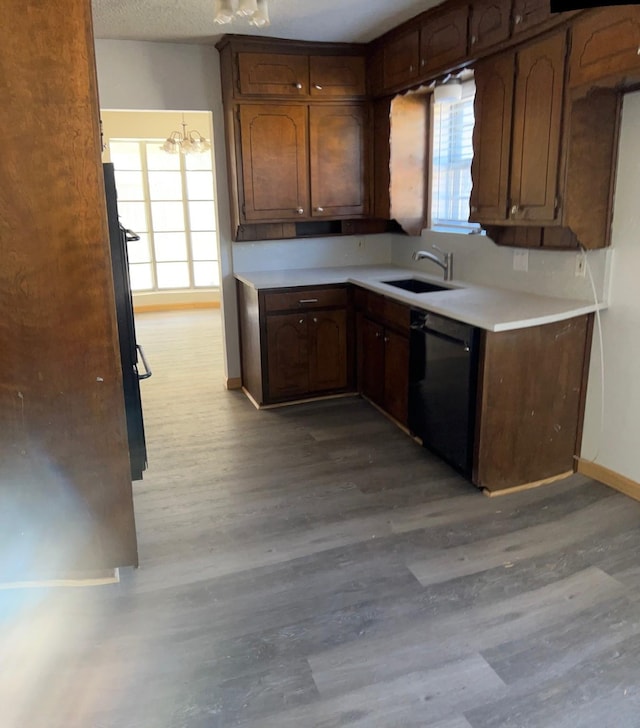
x: 383, y: 353
x: 295, y: 342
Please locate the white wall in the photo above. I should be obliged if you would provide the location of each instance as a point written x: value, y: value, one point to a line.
x: 616, y: 447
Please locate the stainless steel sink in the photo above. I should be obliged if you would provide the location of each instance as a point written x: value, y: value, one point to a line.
x: 416, y: 285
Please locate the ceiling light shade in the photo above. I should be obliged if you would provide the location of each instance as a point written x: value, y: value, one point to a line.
x: 185, y: 142
x: 449, y: 91
x: 255, y: 12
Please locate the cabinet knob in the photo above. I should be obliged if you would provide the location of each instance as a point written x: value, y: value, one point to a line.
x: 474, y: 39
x: 315, y: 320
x: 377, y: 334
x: 318, y: 86
x: 301, y: 321
x: 411, y: 68
x: 319, y: 209
x: 298, y: 85
x: 300, y: 211
x: 518, y: 19
x: 514, y: 209
x: 422, y: 62
x: 473, y: 208
x: 638, y: 51
x: 386, y: 339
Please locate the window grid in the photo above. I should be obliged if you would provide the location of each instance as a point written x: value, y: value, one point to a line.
x: 452, y: 155
x: 152, y: 259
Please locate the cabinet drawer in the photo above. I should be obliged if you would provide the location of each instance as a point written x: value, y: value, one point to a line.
x: 396, y: 314
x: 605, y: 43
x: 305, y: 298
x: 273, y: 74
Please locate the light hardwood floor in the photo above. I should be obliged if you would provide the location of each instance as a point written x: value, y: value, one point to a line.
x: 312, y: 567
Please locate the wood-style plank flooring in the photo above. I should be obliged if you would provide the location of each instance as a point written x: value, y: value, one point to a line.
x: 312, y: 567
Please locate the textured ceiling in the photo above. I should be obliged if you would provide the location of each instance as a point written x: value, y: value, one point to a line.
x: 191, y: 21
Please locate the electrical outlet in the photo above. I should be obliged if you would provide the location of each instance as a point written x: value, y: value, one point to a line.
x: 581, y: 266
x: 521, y: 260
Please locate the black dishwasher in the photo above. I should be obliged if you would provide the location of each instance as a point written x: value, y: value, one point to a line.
x: 443, y: 385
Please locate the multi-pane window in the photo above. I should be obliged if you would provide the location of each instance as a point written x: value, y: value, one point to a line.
x: 452, y: 155
x: 167, y: 199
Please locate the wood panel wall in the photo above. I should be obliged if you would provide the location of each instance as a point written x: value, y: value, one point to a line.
x: 65, y: 489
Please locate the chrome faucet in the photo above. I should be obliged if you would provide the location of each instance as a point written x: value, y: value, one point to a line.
x: 446, y: 263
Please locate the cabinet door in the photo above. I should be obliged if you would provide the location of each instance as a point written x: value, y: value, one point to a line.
x: 537, y: 118
x: 327, y: 350
x: 605, y: 43
x: 443, y: 39
x: 337, y: 157
x: 337, y: 76
x: 274, y: 183
x: 371, y: 365
x: 528, y: 13
x: 396, y: 375
x: 287, y: 356
x: 492, y: 139
x: 272, y: 74
x: 488, y: 23
x: 401, y: 59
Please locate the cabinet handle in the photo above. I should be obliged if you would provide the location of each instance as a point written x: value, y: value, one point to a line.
x: 422, y: 62
x: 301, y: 321
x: 638, y: 51
x: 318, y: 86
x: 300, y: 211
x: 514, y: 209
x: 315, y: 320
x: 386, y: 339
x: 319, y: 209
x: 474, y: 39
x: 308, y: 300
x: 411, y: 68
x: 378, y: 334
x: 298, y: 85
x: 518, y: 19
x: 474, y: 208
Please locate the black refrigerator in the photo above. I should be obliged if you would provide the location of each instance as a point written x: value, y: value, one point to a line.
x: 130, y: 350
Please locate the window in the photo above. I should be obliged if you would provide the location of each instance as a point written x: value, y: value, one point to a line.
x: 451, y: 162
x: 168, y: 200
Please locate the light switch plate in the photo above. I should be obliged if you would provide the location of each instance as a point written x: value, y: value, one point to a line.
x: 521, y: 260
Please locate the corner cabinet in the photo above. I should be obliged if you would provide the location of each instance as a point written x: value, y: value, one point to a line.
x: 298, y: 140
x: 295, y: 342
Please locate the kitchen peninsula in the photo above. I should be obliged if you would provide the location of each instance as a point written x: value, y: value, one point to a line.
x: 333, y: 331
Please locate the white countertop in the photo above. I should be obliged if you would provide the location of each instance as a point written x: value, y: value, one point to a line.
x: 493, y: 309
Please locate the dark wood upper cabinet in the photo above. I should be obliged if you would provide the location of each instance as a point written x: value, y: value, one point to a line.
x: 273, y: 74
x: 528, y: 13
x: 274, y: 183
x: 443, y: 39
x: 494, y: 78
x: 337, y: 76
x: 338, y: 154
x: 401, y: 60
x: 605, y: 46
x: 489, y: 24
x: 537, y: 119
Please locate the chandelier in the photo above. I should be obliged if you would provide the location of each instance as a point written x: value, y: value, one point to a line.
x: 185, y: 142
x: 253, y: 11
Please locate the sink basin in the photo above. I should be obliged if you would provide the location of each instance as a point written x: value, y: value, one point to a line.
x: 416, y: 285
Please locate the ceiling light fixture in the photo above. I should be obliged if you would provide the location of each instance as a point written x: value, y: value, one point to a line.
x: 185, y: 142
x: 253, y: 11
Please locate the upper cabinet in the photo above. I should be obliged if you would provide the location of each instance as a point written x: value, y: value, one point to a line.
x: 516, y: 156
x: 401, y: 60
x: 335, y: 77
x: 297, y: 136
x: 529, y: 13
x: 489, y: 24
x: 273, y: 74
x: 443, y: 39
x: 299, y: 75
x: 606, y: 47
